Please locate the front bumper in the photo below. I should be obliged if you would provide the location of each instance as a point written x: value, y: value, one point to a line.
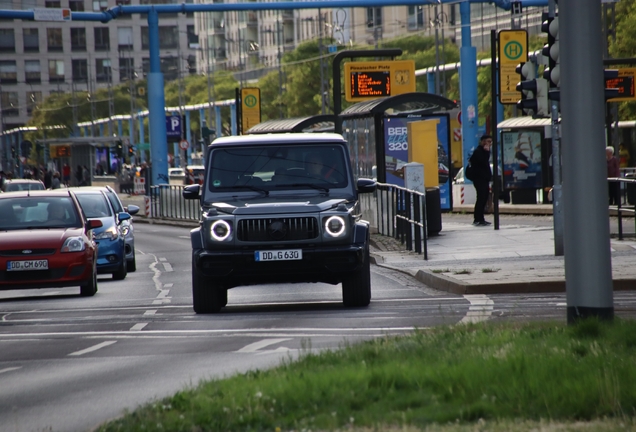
x: 319, y: 264
x: 62, y: 272
x: 110, y: 254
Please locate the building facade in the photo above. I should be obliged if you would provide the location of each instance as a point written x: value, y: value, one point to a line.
x: 40, y: 58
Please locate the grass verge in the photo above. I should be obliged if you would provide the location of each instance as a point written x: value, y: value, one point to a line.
x: 477, y: 377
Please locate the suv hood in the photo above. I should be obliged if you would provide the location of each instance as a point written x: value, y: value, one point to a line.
x: 260, y: 206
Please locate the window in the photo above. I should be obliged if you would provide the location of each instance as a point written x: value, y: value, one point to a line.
x: 7, y: 40
x: 32, y: 71
x: 76, y: 5
x: 415, y: 17
x: 100, y: 5
x: 374, y: 17
x: 78, y: 39
x: 145, y: 66
x: 193, y: 39
x: 31, y: 40
x: 80, y: 70
x: 56, y: 70
x: 169, y: 37
x: 10, y: 106
x: 192, y: 64
x: 125, y: 38
x: 53, y: 4
x: 102, y: 39
x: 103, y: 70
x: 34, y: 98
x: 54, y: 39
x: 126, y: 69
x: 170, y: 68
x: 8, y: 72
x: 7, y: 4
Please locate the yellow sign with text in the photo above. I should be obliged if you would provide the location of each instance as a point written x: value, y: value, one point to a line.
x: 513, y: 50
x: 250, y: 107
x: 372, y: 80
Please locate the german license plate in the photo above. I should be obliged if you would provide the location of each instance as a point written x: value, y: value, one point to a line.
x: 27, y: 265
x: 279, y: 255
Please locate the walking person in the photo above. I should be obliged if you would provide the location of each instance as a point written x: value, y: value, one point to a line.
x: 480, y: 161
x: 613, y: 170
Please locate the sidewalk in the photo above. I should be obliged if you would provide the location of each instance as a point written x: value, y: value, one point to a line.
x: 465, y: 259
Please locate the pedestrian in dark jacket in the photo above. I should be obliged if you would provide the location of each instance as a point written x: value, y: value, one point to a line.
x: 480, y: 160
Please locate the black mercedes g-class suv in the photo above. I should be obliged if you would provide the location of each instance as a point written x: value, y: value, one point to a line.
x: 279, y: 208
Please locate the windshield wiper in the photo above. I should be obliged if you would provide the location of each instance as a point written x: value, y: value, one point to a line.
x: 254, y: 188
x: 309, y: 185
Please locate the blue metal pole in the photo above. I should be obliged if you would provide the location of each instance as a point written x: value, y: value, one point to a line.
x: 120, y: 128
x: 156, y: 104
x: 468, y: 85
x: 219, y: 122
x: 188, y: 132
x: 142, y: 140
x: 233, y: 120
x: 430, y: 82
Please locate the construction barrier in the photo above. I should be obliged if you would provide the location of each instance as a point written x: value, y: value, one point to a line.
x: 147, y: 206
x: 140, y: 186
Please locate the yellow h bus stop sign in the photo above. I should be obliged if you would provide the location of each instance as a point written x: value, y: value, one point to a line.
x: 513, y: 49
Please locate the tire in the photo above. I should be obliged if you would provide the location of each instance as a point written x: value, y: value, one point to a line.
x: 131, y: 266
x: 206, y: 298
x: 90, y: 288
x: 121, y: 273
x: 356, y: 289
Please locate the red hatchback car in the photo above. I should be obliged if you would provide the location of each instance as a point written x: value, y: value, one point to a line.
x: 46, y: 242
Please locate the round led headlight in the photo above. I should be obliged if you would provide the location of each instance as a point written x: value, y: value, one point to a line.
x: 220, y: 230
x: 335, y: 226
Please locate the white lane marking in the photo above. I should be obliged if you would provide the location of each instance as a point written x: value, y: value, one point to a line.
x: 161, y: 301
x: 253, y: 347
x: 168, y: 285
x: 9, y: 369
x: 163, y: 294
x: 167, y: 266
x: 156, y: 278
x: 150, y: 312
x: 93, y: 348
x: 481, y: 307
x: 163, y: 259
x: 301, y: 331
x: 138, y: 327
x: 185, y: 237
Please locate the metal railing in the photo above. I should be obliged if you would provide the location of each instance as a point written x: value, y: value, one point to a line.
x: 167, y: 201
x: 402, y: 215
x: 627, y: 188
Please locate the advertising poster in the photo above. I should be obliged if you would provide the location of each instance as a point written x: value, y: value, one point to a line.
x: 521, y: 160
x: 397, y: 149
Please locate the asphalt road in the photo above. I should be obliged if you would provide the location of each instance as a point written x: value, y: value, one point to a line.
x: 68, y: 363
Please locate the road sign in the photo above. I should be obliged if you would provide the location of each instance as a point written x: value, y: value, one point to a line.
x: 250, y: 107
x: 513, y: 49
x: 184, y: 144
x: 624, y: 83
x: 173, y: 126
x: 371, y: 80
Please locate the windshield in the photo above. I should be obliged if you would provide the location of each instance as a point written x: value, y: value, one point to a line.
x: 275, y: 168
x: 19, y: 186
x: 94, y: 205
x: 38, y: 212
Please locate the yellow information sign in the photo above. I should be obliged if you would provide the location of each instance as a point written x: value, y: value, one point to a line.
x: 371, y: 80
x: 59, y: 151
x: 513, y: 49
x: 250, y: 107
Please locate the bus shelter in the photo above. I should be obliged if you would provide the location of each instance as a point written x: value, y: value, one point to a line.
x: 316, y: 123
x: 386, y: 133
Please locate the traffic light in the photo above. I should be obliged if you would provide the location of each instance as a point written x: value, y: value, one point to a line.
x: 550, y: 51
x: 131, y: 152
x: 119, y: 149
x: 534, y: 91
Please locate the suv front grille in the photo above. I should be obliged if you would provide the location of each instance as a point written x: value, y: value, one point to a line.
x: 277, y: 229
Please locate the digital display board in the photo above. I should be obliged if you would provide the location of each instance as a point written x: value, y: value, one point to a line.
x: 370, y: 80
x: 60, y: 151
x: 624, y: 84
x: 370, y: 84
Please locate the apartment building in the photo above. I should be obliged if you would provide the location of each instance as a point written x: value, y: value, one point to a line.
x: 39, y: 58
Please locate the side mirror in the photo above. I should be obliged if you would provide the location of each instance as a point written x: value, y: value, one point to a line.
x: 123, y: 216
x: 93, y: 223
x: 366, y: 185
x: 191, y: 192
x: 132, y: 209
